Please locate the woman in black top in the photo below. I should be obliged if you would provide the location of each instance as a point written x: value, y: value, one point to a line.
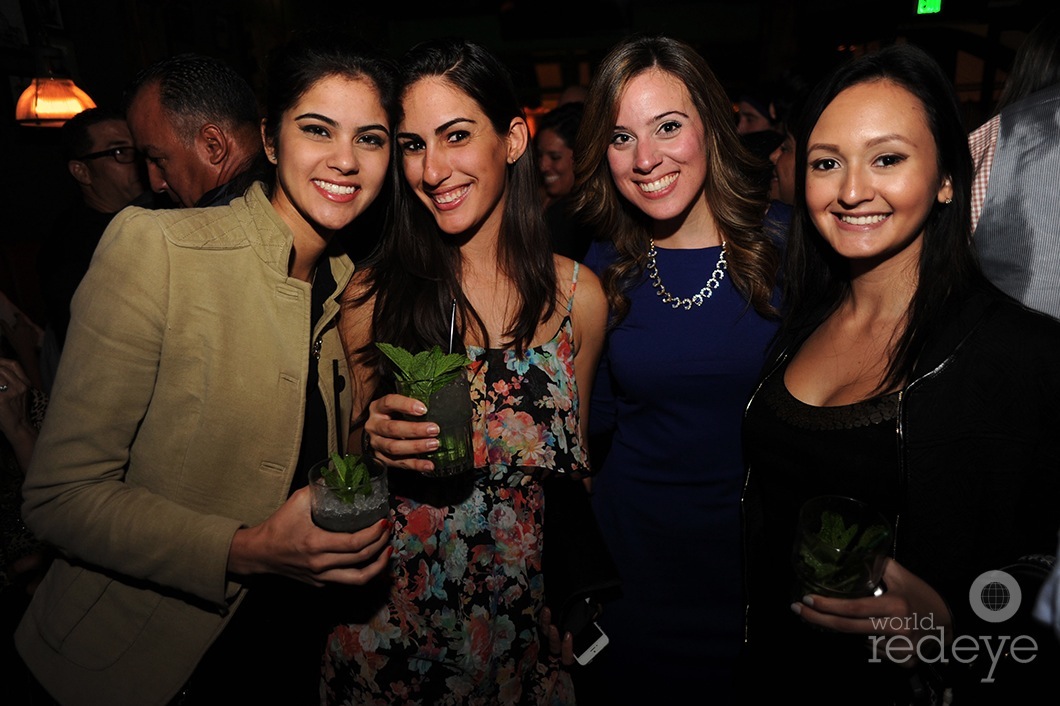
x: 903, y: 378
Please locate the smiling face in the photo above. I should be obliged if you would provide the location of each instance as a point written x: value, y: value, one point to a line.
x: 331, y: 155
x: 657, y: 155
x: 555, y: 160
x: 453, y: 159
x: 872, y: 174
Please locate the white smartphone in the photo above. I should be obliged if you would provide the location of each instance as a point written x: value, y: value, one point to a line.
x: 588, y: 643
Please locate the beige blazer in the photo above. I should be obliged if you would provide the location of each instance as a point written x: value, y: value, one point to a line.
x: 176, y: 418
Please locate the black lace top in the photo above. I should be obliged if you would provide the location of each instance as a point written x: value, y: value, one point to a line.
x: 804, y: 451
x: 791, y: 410
x: 801, y: 451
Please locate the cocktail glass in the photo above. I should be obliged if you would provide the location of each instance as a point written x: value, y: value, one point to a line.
x: 334, y: 512
x: 841, y: 548
x: 451, y: 409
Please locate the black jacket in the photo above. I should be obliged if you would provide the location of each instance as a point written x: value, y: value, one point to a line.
x: 979, y: 450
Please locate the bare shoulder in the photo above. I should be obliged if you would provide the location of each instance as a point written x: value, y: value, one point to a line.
x: 564, y: 270
x: 589, y: 286
x: 589, y: 311
x: 565, y: 274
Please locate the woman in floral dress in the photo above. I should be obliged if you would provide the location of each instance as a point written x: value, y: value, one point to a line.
x: 460, y: 622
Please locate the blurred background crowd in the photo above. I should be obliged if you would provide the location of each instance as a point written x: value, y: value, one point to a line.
x: 550, y: 46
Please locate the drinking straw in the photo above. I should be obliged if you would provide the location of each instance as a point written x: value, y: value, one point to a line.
x: 337, y: 385
x: 452, y: 325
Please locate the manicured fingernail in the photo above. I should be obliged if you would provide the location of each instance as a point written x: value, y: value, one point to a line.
x: 389, y: 552
x: 808, y: 600
x: 432, y: 430
x: 419, y: 408
x: 432, y: 444
x: 796, y: 609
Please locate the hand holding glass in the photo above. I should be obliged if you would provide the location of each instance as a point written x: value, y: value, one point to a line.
x: 450, y: 408
x: 438, y: 380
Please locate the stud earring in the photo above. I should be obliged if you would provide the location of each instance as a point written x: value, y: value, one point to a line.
x: 949, y: 201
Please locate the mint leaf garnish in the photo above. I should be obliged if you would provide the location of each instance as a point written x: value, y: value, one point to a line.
x: 427, y: 371
x: 348, y: 476
x: 834, y: 532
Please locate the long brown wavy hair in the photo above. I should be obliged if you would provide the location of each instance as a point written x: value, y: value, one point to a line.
x: 736, y: 199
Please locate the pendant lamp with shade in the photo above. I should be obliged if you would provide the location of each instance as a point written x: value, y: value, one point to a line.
x: 50, y: 101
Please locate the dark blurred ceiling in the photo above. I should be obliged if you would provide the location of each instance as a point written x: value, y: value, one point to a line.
x: 106, y: 41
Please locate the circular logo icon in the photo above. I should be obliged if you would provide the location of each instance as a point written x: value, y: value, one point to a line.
x: 995, y: 596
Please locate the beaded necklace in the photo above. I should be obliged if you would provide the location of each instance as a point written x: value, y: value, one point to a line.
x: 708, y: 289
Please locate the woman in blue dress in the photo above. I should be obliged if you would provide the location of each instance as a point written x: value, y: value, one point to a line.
x: 689, y: 276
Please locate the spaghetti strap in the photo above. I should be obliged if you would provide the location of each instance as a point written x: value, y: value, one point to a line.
x: 573, y: 286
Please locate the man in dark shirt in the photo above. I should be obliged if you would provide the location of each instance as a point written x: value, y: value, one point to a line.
x: 198, y: 125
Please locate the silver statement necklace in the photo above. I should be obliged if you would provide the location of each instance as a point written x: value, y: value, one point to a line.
x: 704, y: 294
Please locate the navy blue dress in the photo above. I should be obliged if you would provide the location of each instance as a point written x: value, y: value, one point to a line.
x: 672, y: 387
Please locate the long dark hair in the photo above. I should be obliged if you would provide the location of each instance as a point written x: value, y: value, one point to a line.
x: 817, y: 279
x: 736, y: 197
x: 415, y: 274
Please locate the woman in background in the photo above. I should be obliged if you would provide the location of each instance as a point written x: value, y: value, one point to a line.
x: 554, y: 144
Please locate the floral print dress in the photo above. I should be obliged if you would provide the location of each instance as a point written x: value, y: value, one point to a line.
x: 460, y: 623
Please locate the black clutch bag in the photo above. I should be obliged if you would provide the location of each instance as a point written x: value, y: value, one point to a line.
x: 577, y: 564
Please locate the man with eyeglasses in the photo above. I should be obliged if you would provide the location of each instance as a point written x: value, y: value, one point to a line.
x: 101, y: 158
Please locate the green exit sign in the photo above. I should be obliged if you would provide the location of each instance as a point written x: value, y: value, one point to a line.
x: 928, y: 7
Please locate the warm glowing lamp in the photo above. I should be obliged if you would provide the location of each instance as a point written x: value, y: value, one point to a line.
x: 50, y: 102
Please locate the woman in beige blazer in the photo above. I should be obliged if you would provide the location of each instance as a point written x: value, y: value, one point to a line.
x: 202, y: 374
